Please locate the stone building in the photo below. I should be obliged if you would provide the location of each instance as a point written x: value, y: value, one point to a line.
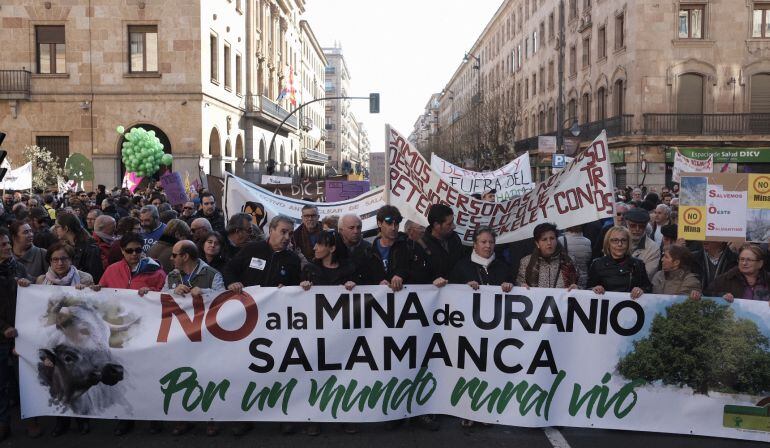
x: 688, y: 74
x: 313, y: 117
x: 214, y: 79
x: 340, y: 123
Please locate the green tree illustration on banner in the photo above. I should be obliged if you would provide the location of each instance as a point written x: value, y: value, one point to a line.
x: 79, y: 168
x: 45, y: 166
x: 702, y: 345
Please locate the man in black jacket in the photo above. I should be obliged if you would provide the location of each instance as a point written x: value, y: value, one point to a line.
x: 210, y: 211
x: 713, y: 260
x: 265, y: 263
x: 391, y: 247
x: 441, y: 243
x: 350, y: 245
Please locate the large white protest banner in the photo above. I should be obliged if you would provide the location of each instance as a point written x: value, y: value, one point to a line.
x: 582, y: 192
x: 537, y: 357
x: 683, y: 164
x: 18, y: 179
x: 514, y: 179
x: 243, y: 196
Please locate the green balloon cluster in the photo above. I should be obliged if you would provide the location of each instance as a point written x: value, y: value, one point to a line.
x: 143, y: 152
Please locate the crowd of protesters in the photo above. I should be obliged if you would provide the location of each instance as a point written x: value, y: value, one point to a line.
x: 116, y: 239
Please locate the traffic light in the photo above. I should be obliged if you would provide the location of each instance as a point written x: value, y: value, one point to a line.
x: 374, y: 103
x: 3, y: 171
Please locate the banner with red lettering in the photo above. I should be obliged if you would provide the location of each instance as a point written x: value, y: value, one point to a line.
x: 582, y: 192
x: 509, y: 181
x: 531, y: 357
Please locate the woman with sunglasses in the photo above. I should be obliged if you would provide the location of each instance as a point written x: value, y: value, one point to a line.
x: 617, y: 270
x: 140, y: 274
x: 749, y: 280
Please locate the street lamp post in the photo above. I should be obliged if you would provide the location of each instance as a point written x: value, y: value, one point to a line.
x: 477, y: 67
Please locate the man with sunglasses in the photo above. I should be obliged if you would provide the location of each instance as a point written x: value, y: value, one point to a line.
x: 238, y: 235
x: 210, y: 211
x: 188, y: 212
x: 391, y: 247
x: 190, y: 273
x: 642, y: 247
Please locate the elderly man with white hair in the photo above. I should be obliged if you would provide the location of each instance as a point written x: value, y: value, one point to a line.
x: 661, y: 216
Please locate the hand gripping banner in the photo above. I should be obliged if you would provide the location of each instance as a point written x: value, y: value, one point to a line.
x: 537, y: 357
x: 582, y: 192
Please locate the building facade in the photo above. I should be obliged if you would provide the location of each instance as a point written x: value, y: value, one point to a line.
x: 343, y: 131
x: 313, y: 116
x: 214, y: 80
x: 692, y: 74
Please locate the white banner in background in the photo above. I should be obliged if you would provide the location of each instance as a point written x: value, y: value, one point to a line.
x: 514, y: 179
x: 537, y: 357
x: 18, y: 179
x: 239, y: 193
x: 683, y: 164
x: 581, y: 193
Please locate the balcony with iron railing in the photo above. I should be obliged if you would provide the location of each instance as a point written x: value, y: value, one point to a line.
x: 313, y: 156
x: 620, y: 125
x: 706, y: 124
x: 15, y: 84
x: 260, y: 104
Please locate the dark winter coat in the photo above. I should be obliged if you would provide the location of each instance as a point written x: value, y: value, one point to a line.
x: 618, y: 276
x: 734, y: 282
x: 280, y: 268
x: 440, y: 260
x: 497, y: 273
x: 398, y: 258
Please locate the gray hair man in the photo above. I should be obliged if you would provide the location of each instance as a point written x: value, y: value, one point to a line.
x: 191, y: 275
x: 200, y: 227
x: 152, y: 228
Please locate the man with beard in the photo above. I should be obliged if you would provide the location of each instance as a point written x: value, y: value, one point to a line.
x: 210, y: 211
x: 442, y: 244
x: 40, y: 222
x: 306, y: 235
x: 152, y: 228
x: 642, y: 247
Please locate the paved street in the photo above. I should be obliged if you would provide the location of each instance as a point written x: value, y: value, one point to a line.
x: 375, y: 436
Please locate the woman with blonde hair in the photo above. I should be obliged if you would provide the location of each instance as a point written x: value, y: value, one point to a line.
x: 617, y: 270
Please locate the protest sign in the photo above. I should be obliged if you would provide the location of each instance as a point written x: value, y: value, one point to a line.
x: 173, y: 187
x: 532, y: 357
x: 341, y: 190
x: 131, y: 181
x: 306, y: 189
x: 684, y: 164
x: 514, y: 179
x: 18, y: 179
x: 581, y: 193
x: 241, y: 195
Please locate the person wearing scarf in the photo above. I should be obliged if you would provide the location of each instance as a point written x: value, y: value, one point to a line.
x: 61, y: 271
x: 482, y: 267
x: 549, y: 266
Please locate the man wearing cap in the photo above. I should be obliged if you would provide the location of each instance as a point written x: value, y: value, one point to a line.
x: 642, y: 247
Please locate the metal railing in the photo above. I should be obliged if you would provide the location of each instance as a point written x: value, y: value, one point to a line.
x: 706, y: 124
x: 274, y: 110
x: 615, y: 126
x: 311, y: 155
x: 15, y: 82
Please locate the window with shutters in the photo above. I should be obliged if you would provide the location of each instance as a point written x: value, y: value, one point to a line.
x: 142, y: 49
x: 59, y: 146
x: 551, y: 32
x: 227, y: 63
x: 761, y: 21
x: 214, y: 58
x: 573, y: 10
x: 691, y: 21
x: 542, y: 79
x: 50, y: 49
x: 689, y: 103
x: 601, y: 43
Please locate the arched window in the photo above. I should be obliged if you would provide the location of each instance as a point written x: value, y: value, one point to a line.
x: 601, y: 104
x: 619, y: 97
x: 586, y: 106
x: 689, y: 104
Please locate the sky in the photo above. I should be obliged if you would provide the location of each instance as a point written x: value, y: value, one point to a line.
x: 405, y: 50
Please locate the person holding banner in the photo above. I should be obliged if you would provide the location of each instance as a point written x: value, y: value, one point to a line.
x: 748, y: 280
x: 442, y: 245
x: 265, y: 263
x: 482, y: 267
x: 617, y: 270
x: 549, y: 266
x: 676, y: 276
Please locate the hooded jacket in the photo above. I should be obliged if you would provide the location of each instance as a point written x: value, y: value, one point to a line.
x: 148, y: 274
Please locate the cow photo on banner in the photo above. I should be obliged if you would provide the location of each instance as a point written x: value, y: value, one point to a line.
x: 243, y: 196
x: 582, y: 192
x: 512, y: 180
x: 531, y: 357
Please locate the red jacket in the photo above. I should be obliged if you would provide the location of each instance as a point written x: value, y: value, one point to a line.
x: 118, y: 275
x: 104, y: 249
